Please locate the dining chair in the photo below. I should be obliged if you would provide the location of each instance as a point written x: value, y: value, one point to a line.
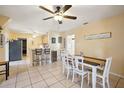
x: 67, y: 64
x: 62, y: 52
x: 104, y: 73
x: 78, y: 68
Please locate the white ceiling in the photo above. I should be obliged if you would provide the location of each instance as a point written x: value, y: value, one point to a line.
x: 28, y: 18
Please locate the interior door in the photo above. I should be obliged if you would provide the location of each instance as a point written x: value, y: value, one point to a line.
x: 15, y: 52
x: 71, y: 44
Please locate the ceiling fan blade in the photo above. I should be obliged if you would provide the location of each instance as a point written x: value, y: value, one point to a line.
x: 66, y: 7
x: 48, y: 18
x: 42, y: 7
x: 70, y: 17
x: 60, y: 22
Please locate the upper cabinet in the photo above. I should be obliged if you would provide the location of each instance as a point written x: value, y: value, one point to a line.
x: 3, y: 21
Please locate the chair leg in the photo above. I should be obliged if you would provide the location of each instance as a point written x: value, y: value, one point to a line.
x: 108, y: 83
x: 8, y: 68
x: 103, y: 81
x: 68, y: 74
x: 6, y: 72
x: 63, y: 69
x: 82, y: 82
x: 73, y: 77
x: 88, y: 78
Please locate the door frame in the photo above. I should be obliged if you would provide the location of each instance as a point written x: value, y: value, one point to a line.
x: 70, y: 37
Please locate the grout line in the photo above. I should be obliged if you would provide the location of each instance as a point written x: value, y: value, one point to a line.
x: 117, y: 82
x: 54, y: 77
x: 43, y: 78
x: 29, y: 77
x: 16, y: 76
x: 61, y: 80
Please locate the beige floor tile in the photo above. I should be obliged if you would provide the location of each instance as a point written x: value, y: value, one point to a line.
x: 43, y: 71
x: 60, y: 77
x: 24, y: 83
x: 34, y: 74
x: 57, y: 85
x: 50, y: 81
x: 113, y: 81
x: 56, y: 73
x: 8, y: 82
x: 47, y: 75
x: 22, y: 78
x: 76, y: 86
x: 40, y: 84
x: 120, y: 83
x: 24, y: 75
x: 67, y: 83
x: 36, y: 79
x: 33, y: 71
x: 29, y: 86
x: 8, y: 86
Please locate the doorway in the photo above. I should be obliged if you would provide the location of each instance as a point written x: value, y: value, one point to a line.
x: 24, y: 46
x: 70, y: 44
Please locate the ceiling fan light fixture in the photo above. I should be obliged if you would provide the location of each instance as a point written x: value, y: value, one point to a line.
x: 58, y: 17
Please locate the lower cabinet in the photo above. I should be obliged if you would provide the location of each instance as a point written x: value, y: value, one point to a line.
x: 54, y: 56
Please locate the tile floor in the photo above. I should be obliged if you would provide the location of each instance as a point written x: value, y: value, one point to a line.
x: 23, y: 75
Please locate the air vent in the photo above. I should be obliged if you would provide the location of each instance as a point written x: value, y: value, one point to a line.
x: 85, y: 23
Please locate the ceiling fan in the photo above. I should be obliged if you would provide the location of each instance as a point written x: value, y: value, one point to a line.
x: 59, y: 13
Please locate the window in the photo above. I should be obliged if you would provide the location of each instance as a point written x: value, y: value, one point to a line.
x: 59, y: 39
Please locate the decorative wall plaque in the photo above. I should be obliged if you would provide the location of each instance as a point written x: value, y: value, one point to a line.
x: 98, y: 36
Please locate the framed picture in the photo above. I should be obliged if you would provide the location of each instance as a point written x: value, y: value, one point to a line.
x: 53, y: 40
x: 1, y: 40
x: 59, y: 39
x: 98, y: 36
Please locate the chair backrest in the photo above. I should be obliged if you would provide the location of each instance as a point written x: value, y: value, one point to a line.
x: 67, y: 59
x: 38, y: 51
x: 78, y: 63
x: 64, y: 58
x: 47, y: 51
x: 107, y: 67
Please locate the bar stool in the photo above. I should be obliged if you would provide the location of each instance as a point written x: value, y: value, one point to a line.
x: 36, y: 56
x: 6, y: 71
x: 47, y: 55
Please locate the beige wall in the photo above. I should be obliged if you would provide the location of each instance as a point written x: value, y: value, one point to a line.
x: 31, y: 42
x: 3, y: 21
x: 45, y: 39
x: 103, y: 48
x: 4, y: 49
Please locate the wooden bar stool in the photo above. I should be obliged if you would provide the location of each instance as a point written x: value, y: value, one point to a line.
x: 6, y: 71
x: 36, y: 56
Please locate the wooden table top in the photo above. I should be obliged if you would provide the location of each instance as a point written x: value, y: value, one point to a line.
x: 94, y: 61
x: 3, y: 62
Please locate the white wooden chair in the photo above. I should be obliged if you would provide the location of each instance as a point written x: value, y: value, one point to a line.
x: 105, y: 75
x: 67, y: 64
x: 79, y: 69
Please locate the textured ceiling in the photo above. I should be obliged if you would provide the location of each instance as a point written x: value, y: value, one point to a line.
x: 28, y: 18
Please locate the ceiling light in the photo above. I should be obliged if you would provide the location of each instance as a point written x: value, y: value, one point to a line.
x: 58, y: 17
x: 34, y: 36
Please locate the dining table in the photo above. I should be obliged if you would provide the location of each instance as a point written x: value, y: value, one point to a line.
x: 93, y: 63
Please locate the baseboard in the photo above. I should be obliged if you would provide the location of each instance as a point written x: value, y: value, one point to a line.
x: 117, y: 75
